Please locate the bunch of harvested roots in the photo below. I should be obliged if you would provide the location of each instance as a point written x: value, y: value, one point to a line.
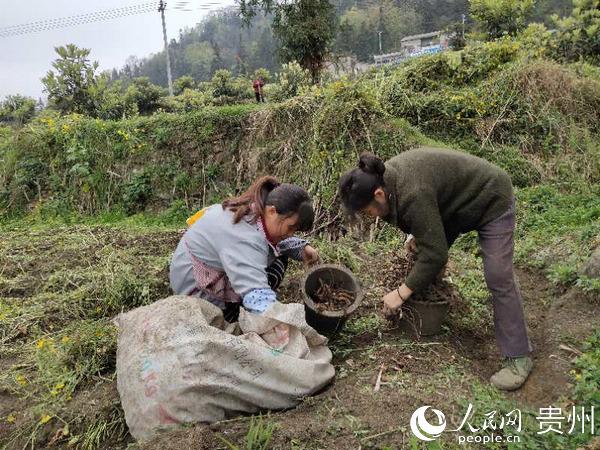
x: 329, y: 298
x: 439, y: 291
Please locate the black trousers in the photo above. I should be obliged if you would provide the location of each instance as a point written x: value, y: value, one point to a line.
x: 275, y: 274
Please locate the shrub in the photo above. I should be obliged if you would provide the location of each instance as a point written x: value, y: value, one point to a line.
x: 501, y: 17
x: 137, y: 192
x: 144, y: 95
x: 17, y: 109
x: 183, y: 83
x: 292, y: 79
x: 189, y: 100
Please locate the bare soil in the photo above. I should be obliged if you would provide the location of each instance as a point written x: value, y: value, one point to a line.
x: 432, y: 371
x: 350, y: 413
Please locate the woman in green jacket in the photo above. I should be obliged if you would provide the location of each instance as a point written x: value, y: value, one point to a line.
x: 434, y: 195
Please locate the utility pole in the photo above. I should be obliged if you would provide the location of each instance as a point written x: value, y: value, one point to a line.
x: 380, y: 22
x: 161, y: 7
x: 463, y: 25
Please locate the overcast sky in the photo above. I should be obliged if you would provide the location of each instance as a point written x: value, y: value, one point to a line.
x: 24, y: 59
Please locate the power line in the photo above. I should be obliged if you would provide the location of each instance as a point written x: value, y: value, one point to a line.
x: 63, y: 22
x: 98, y: 16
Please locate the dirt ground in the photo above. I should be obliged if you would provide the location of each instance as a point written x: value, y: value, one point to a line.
x: 432, y: 371
x: 439, y: 370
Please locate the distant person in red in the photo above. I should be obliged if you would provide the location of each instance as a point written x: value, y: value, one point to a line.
x: 258, y: 89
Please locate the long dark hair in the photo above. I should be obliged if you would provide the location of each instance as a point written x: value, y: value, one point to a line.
x: 288, y: 199
x: 357, y: 187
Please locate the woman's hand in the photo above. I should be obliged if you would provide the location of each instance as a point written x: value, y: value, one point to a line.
x: 410, y: 245
x: 392, y: 305
x: 392, y: 302
x: 310, y: 256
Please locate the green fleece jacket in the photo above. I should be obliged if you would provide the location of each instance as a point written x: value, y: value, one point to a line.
x: 435, y: 194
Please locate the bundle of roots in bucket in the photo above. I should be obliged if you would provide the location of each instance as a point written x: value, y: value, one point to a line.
x: 331, y: 298
x: 425, y: 311
x: 439, y: 291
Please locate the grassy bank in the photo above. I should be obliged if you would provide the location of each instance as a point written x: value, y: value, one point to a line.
x: 91, y: 211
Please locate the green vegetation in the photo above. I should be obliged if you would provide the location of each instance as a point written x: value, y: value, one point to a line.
x: 499, y: 18
x: 17, y: 109
x: 258, y: 437
x: 92, y: 205
x: 62, y: 286
x: 304, y: 29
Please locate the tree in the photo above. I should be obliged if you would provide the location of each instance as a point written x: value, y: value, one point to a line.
x: 17, y: 109
x: 305, y: 29
x: 263, y: 73
x: 112, y: 104
x: 578, y: 36
x: 291, y: 79
x: 183, y: 83
x: 71, y: 84
x: 359, y: 28
x: 456, y: 40
x: 144, y: 94
x: 438, y: 14
x: 501, y: 17
x: 222, y: 84
x: 200, y: 58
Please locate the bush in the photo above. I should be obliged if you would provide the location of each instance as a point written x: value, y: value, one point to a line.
x: 501, y: 17
x: 144, y: 95
x: 292, y: 79
x: 262, y: 73
x: 113, y: 104
x: 17, y: 109
x: 183, y: 83
x: 137, y: 192
x: 494, y: 95
x: 188, y: 101
x: 90, y: 165
x: 577, y: 35
x: 227, y: 90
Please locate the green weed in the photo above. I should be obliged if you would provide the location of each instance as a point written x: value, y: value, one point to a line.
x: 258, y: 437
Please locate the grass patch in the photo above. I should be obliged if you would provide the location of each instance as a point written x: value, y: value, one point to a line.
x: 260, y: 433
x: 557, y: 228
x: 57, y: 344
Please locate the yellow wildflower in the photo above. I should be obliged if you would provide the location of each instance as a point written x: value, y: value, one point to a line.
x: 65, y: 339
x: 45, y: 419
x: 41, y: 343
x: 11, y: 418
x: 21, y: 380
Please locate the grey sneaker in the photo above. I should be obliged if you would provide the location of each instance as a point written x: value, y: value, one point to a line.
x: 513, y: 374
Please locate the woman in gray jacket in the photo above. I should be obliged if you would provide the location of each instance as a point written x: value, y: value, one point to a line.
x: 236, y: 252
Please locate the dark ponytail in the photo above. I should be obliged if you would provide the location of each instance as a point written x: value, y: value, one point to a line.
x: 288, y: 199
x: 357, y: 187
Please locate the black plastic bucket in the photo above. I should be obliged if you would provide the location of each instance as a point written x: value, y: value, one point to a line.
x: 424, y: 318
x: 329, y: 322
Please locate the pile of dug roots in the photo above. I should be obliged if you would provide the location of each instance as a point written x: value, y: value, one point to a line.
x: 439, y: 291
x: 331, y: 298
